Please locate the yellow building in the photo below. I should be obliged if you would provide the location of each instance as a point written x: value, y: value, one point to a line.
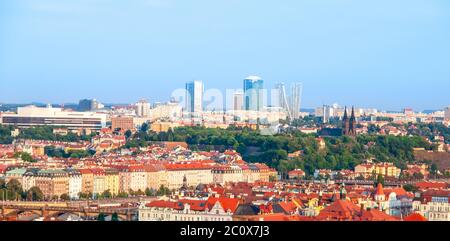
x: 87, y: 181
x: 156, y: 176
x: 195, y: 174
x: 386, y: 169
x: 163, y: 126
x: 112, y: 181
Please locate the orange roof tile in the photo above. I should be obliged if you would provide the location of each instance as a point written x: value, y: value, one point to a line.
x: 415, y: 217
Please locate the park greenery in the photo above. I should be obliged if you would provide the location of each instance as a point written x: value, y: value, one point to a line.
x: 339, y: 152
x: 13, y: 190
x: 52, y: 151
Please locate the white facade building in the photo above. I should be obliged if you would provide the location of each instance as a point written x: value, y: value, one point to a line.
x: 194, y: 96
x: 447, y: 113
x: 142, y: 108
x: 213, y: 209
x: 49, y: 116
x: 75, y: 184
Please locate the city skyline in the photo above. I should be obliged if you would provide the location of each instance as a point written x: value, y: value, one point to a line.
x: 351, y: 53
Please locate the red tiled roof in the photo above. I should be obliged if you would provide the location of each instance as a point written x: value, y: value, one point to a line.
x: 85, y: 171
x: 429, y: 185
x: 288, y: 207
x: 415, y: 217
x: 376, y: 215
x: 226, y: 203
x: 340, y: 210
x: 185, y: 166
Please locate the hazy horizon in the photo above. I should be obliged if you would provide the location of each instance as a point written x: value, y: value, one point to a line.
x: 381, y: 54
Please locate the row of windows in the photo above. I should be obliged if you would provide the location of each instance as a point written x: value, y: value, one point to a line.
x: 156, y: 216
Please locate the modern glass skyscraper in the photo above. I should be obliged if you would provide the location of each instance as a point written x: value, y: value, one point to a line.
x: 282, y: 97
x: 253, y: 93
x: 194, y: 96
x: 238, y: 100
x: 295, y: 99
x: 290, y: 103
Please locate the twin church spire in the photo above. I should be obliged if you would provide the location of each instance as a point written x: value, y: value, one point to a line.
x: 349, y: 124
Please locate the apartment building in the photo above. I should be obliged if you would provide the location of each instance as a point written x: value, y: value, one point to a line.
x: 212, y: 209
x: 52, y: 182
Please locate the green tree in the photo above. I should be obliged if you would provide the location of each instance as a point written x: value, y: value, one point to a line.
x: 128, y: 134
x: 418, y: 176
x: 101, y: 217
x: 115, y: 217
x: 122, y: 195
x: 144, y: 127
x: 35, y: 194
x: 2, y: 183
x: 149, y: 192
x: 83, y: 195
x: 26, y: 157
x: 410, y: 188
x: 380, y: 179
x: 14, y: 189
x: 163, y: 191
x: 106, y: 194
x: 64, y: 197
x: 433, y: 170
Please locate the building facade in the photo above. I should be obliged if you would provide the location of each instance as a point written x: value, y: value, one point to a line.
x: 253, y: 93
x: 142, y: 108
x: 212, y: 209
x: 122, y: 122
x: 49, y: 116
x: 194, y: 97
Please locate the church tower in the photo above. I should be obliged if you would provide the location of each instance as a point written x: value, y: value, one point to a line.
x: 349, y: 124
x: 345, y: 123
x: 352, y: 123
x: 343, y: 192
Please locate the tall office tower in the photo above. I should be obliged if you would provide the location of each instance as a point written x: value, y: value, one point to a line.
x: 327, y: 112
x: 89, y: 105
x: 142, y: 108
x: 447, y: 113
x: 295, y: 100
x: 194, y: 96
x: 238, y: 100
x: 253, y: 93
x: 282, y: 98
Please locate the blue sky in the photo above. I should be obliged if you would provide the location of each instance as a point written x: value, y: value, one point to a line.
x: 374, y: 53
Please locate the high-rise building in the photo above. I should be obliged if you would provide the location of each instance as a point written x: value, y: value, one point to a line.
x: 295, y: 100
x: 447, y: 113
x: 290, y: 103
x: 194, y: 96
x: 327, y: 112
x: 253, y: 93
x: 89, y: 105
x: 142, y: 108
x: 238, y: 100
x: 282, y: 97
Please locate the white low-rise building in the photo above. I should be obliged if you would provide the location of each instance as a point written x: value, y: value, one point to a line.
x: 212, y: 209
x: 434, y: 205
x: 75, y: 184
